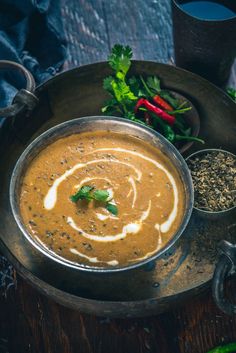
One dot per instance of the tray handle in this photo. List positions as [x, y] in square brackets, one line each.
[225, 267]
[24, 98]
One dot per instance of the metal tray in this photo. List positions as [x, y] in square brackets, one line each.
[183, 272]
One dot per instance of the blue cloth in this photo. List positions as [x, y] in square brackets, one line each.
[31, 33]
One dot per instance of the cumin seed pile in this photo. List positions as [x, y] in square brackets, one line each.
[214, 180]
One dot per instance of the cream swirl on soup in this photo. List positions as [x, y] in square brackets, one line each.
[141, 182]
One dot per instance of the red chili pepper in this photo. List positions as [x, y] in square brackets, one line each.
[170, 119]
[162, 103]
[156, 98]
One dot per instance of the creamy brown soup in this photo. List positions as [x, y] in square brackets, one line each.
[142, 182]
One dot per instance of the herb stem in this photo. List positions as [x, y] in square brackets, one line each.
[179, 111]
[188, 138]
[146, 87]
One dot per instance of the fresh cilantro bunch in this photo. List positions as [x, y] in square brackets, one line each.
[123, 99]
[89, 193]
[144, 101]
[125, 92]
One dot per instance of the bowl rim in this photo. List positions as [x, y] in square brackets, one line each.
[86, 119]
[204, 151]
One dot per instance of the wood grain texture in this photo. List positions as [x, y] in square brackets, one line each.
[30, 322]
[94, 26]
[35, 324]
[201, 325]
[144, 25]
[86, 31]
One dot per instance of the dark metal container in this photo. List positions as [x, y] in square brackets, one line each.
[180, 273]
[92, 124]
[206, 47]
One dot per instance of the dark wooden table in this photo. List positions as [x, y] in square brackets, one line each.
[30, 322]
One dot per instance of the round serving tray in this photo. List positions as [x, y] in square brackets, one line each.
[182, 272]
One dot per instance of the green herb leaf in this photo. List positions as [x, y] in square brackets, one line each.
[148, 92]
[124, 97]
[122, 91]
[232, 93]
[135, 87]
[182, 105]
[166, 129]
[107, 84]
[180, 123]
[119, 60]
[85, 193]
[112, 208]
[111, 106]
[187, 132]
[170, 99]
[131, 116]
[154, 83]
[100, 195]
[82, 194]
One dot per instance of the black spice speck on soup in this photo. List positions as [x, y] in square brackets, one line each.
[144, 188]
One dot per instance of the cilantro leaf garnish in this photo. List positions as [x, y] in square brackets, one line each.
[82, 194]
[112, 208]
[86, 193]
[100, 195]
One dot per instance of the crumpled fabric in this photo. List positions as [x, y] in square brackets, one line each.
[31, 33]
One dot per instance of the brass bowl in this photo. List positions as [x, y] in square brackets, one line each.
[100, 123]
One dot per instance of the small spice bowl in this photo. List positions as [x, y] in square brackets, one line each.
[207, 176]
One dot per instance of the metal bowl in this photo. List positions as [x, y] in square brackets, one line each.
[95, 124]
[212, 215]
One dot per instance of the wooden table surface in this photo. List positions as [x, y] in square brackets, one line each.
[30, 322]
